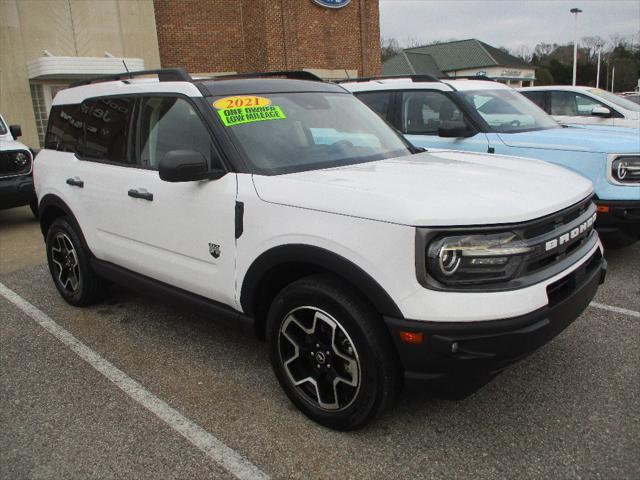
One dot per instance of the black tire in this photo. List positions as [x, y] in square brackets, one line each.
[63, 245]
[362, 344]
[33, 205]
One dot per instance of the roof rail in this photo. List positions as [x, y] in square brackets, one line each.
[471, 77]
[294, 75]
[164, 75]
[415, 78]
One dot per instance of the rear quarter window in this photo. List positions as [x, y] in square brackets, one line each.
[66, 128]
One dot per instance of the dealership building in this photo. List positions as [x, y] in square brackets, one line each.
[462, 58]
[47, 44]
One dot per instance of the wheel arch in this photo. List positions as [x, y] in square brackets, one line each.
[52, 207]
[279, 266]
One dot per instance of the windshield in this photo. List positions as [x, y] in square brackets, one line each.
[291, 132]
[615, 99]
[3, 128]
[506, 111]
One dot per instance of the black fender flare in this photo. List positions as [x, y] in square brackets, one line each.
[50, 201]
[322, 259]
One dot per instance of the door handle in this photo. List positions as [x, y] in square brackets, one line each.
[75, 182]
[143, 195]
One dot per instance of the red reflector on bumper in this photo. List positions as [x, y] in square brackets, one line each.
[411, 337]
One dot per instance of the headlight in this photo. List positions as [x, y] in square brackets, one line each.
[21, 159]
[14, 162]
[473, 259]
[626, 169]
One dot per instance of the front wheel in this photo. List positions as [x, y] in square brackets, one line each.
[331, 353]
[69, 265]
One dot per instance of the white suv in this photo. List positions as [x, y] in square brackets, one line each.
[290, 207]
[585, 105]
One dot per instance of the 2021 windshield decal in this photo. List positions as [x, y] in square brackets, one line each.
[241, 109]
[237, 116]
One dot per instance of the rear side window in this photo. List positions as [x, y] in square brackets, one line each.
[107, 129]
[171, 123]
[65, 130]
[537, 98]
[379, 102]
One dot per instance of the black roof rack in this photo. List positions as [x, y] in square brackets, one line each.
[471, 77]
[293, 75]
[164, 75]
[414, 78]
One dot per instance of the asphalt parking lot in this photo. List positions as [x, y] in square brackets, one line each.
[571, 410]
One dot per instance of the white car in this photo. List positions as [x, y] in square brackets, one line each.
[288, 206]
[584, 106]
[16, 163]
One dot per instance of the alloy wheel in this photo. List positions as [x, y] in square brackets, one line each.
[65, 261]
[319, 358]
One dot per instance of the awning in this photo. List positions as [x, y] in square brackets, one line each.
[72, 68]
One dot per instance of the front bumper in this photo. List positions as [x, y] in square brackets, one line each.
[484, 348]
[618, 215]
[16, 191]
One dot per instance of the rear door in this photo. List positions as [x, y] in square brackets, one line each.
[182, 234]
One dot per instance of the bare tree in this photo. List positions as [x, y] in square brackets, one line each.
[389, 47]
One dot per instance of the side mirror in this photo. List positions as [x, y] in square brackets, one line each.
[457, 131]
[601, 112]
[185, 166]
[16, 131]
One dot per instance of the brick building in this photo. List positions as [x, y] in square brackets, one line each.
[47, 44]
[213, 36]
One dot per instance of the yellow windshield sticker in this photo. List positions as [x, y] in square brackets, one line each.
[241, 101]
[237, 116]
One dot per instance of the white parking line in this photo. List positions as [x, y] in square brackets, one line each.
[611, 308]
[224, 456]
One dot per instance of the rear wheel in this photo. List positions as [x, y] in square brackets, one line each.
[69, 265]
[331, 353]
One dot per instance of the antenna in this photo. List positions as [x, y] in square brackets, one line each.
[125, 66]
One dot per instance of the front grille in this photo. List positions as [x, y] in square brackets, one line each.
[552, 222]
[15, 162]
[556, 237]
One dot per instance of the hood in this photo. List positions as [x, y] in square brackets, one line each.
[582, 139]
[8, 143]
[438, 188]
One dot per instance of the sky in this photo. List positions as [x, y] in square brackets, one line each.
[507, 23]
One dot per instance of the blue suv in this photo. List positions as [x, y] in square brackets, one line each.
[486, 116]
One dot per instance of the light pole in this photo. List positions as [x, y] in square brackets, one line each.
[599, 45]
[575, 12]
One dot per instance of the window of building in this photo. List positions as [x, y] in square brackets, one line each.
[41, 98]
[171, 123]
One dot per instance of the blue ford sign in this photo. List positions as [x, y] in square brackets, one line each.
[333, 3]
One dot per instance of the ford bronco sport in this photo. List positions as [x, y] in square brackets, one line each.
[291, 208]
